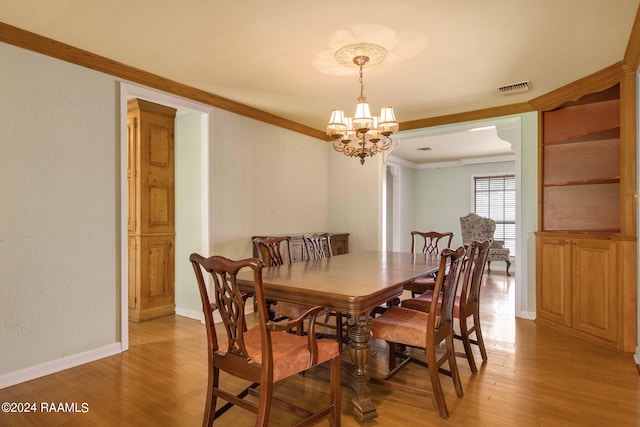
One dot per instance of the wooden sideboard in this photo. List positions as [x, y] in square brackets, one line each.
[339, 244]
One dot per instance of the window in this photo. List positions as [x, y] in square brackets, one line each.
[495, 198]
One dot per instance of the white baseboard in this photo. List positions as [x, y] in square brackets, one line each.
[197, 315]
[53, 366]
[529, 315]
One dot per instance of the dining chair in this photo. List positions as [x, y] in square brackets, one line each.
[278, 251]
[275, 251]
[467, 304]
[426, 331]
[430, 243]
[318, 246]
[263, 354]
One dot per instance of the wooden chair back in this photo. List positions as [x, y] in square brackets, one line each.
[230, 303]
[430, 242]
[274, 251]
[476, 263]
[318, 245]
[447, 280]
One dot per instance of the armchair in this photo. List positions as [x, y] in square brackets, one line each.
[475, 227]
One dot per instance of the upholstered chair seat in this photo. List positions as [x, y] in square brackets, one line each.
[290, 352]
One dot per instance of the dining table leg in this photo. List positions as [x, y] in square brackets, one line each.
[360, 353]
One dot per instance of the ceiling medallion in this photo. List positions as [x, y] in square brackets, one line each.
[362, 135]
[374, 52]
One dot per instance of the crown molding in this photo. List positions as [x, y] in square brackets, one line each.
[468, 116]
[46, 46]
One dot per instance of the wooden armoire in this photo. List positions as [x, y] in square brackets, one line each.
[151, 217]
[586, 243]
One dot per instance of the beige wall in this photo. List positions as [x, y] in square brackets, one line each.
[529, 207]
[265, 180]
[59, 215]
[188, 138]
[356, 200]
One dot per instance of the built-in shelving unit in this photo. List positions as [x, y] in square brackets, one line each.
[581, 164]
[586, 243]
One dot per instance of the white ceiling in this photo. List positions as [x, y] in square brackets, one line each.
[473, 144]
[444, 57]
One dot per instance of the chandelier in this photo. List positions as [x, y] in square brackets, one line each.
[362, 135]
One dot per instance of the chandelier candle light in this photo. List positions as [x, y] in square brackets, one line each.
[363, 135]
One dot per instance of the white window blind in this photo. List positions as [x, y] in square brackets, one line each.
[495, 198]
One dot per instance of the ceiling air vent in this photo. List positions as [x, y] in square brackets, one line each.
[515, 88]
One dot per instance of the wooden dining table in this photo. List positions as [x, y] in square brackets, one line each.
[354, 284]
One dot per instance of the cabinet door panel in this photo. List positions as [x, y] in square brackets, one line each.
[157, 259]
[554, 280]
[156, 163]
[594, 288]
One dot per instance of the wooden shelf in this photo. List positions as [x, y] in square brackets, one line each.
[614, 180]
[606, 234]
[605, 134]
[579, 121]
[588, 162]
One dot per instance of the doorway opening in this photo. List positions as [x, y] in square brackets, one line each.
[192, 197]
[402, 178]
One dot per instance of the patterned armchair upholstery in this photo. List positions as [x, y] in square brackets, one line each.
[475, 227]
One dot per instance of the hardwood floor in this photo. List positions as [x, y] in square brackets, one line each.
[535, 376]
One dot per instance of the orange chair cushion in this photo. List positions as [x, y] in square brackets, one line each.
[290, 352]
[291, 310]
[423, 303]
[402, 326]
[420, 284]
